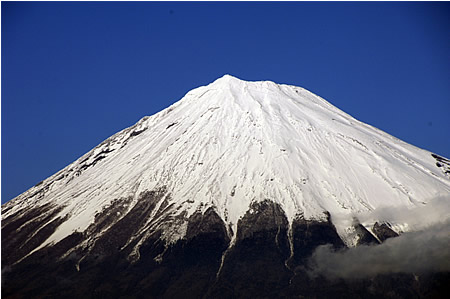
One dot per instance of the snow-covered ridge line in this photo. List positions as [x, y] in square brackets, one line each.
[232, 143]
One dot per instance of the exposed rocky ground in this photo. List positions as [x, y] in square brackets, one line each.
[262, 262]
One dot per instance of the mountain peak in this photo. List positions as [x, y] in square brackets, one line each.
[228, 77]
[231, 80]
[227, 80]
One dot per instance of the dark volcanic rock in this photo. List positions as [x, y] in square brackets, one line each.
[308, 234]
[365, 237]
[23, 233]
[383, 231]
[442, 163]
[255, 265]
[266, 260]
[118, 234]
[187, 267]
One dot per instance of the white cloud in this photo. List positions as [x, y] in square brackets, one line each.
[427, 249]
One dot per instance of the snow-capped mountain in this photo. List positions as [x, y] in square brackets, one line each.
[231, 161]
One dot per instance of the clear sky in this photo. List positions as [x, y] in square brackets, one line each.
[75, 73]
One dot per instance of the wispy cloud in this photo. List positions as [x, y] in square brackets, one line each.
[433, 212]
[426, 249]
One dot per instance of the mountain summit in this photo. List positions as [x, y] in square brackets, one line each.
[235, 172]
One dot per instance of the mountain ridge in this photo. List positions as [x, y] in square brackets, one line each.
[260, 127]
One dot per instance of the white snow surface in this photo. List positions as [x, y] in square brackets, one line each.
[233, 142]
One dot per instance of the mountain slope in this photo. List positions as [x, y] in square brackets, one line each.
[231, 166]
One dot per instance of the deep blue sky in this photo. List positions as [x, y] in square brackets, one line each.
[75, 73]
